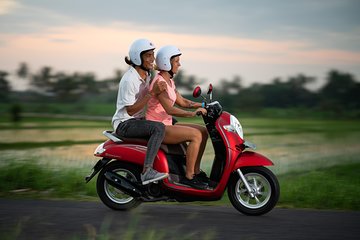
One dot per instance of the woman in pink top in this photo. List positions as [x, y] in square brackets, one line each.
[162, 107]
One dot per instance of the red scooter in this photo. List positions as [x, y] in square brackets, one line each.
[252, 188]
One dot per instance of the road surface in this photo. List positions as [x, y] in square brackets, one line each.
[45, 219]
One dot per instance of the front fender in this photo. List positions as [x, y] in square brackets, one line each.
[248, 158]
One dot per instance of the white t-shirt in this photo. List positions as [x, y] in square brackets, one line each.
[131, 88]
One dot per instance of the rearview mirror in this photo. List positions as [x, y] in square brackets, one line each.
[197, 92]
[210, 89]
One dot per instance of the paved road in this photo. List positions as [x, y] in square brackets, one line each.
[40, 219]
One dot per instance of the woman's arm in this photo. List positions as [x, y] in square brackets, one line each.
[186, 103]
[171, 109]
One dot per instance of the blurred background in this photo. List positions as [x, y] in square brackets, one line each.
[289, 70]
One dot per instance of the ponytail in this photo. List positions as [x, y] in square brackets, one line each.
[128, 61]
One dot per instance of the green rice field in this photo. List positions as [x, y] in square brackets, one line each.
[300, 149]
[292, 145]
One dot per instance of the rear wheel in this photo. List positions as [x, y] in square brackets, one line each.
[113, 197]
[265, 188]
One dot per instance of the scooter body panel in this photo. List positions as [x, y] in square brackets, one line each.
[133, 153]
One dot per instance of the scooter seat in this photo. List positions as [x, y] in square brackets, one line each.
[173, 149]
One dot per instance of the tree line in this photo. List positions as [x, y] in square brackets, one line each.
[339, 93]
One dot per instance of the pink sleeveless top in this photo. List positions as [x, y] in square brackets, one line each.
[155, 111]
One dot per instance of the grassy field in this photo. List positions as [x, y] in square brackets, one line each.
[334, 187]
[308, 154]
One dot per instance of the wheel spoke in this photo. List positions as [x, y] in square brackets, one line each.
[241, 190]
[255, 183]
[260, 186]
[247, 200]
[260, 193]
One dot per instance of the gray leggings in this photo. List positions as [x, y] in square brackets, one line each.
[153, 131]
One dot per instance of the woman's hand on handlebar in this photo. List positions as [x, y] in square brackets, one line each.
[200, 111]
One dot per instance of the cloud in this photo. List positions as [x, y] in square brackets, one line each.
[60, 40]
[227, 17]
[249, 38]
[331, 23]
[7, 6]
[110, 43]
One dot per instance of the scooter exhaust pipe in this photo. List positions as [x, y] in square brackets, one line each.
[123, 184]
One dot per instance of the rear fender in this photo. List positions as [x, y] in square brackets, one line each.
[248, 158]
[135, 154]
[98, 166]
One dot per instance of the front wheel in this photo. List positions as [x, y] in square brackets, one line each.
[111, 196]
[265, 188]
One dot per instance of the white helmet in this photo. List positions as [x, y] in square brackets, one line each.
[138, 47]
[164, 56]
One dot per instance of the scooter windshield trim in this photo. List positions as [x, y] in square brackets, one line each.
[234, 126]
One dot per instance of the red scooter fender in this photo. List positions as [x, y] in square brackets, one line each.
[248, 158]
[133, 153]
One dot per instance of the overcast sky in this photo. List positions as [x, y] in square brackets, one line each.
[257, 40]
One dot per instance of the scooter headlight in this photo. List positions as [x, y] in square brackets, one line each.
[235, 126]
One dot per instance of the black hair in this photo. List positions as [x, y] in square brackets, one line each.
[174, 56]
[128, 61]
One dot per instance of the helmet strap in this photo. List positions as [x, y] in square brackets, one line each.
[144, 68]
[171, 74]
[170, 71]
